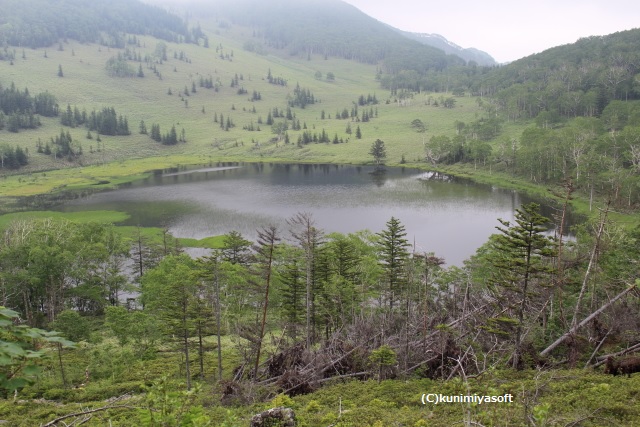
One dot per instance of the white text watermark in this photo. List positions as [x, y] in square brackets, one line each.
[438, 398]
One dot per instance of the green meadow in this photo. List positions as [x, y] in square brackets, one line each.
[87, 85]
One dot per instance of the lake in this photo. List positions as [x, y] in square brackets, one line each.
[451, 217]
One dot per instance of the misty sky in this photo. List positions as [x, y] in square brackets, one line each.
[507, 30]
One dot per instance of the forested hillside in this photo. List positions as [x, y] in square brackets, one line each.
[580, 79]
[579, 104]
[42, 23]
[331, 29]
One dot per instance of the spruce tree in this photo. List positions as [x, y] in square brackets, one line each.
[519, 255]
[143, 127]
[378, 152]
[393, 257]
[293, 295]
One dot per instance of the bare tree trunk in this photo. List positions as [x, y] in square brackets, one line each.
[64, 377]
[593, 315]
[187, 365]
[267, 239]
[587, 274]
[200, 350]
[217, 305]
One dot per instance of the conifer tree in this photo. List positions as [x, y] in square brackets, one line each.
[169, 291]
[378, 152]
[309, 237]
[143, 127]
[519, 256]
[393, 257]
[293, 295]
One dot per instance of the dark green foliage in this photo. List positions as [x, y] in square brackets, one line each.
[393, 256]
[521, 257]
[63, 146]
[73, 118]
[41, 266]
[18, 108]
[378, 151]
[235, 248]
[155, 133]
[419, 126]
[72, 325]
[171, 137]
[97, 21]
[293, 295]
[117, 66]
[107, 122]
[367, 100]
[301, 97]
[275, 80]
[21, 347]
[557, 80]
[143, 128]
[169, 292]
[12, 158]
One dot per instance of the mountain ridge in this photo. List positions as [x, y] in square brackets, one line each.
[440, 42]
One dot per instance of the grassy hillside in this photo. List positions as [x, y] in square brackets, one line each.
[87, 85]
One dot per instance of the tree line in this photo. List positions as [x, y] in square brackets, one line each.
[19, 110]
[39, 23]
[525, 299]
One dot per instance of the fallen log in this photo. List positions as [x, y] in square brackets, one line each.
[589, 318]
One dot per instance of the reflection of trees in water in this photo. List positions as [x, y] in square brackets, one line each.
[379, 176]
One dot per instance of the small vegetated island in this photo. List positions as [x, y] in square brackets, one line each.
[114, 325]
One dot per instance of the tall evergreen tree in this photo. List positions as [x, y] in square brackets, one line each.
[293, 295]
[520, 255]
[309, 237]
[170, 291]
[378, 152]
[393, 257]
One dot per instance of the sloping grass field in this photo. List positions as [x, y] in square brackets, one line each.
[87, 85]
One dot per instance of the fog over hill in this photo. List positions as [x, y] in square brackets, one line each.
[440, 42]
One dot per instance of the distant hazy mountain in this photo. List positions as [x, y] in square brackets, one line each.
[438, 41]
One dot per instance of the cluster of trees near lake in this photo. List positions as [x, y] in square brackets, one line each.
[581, 103]
[332, 301]
[599, 154]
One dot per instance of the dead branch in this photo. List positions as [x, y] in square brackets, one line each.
[587, 274]
[602, 359]
[593, 315]
[89, 411]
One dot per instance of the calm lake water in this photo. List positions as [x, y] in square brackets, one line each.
[448, 216]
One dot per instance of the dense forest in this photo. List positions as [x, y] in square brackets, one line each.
[43, 23]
